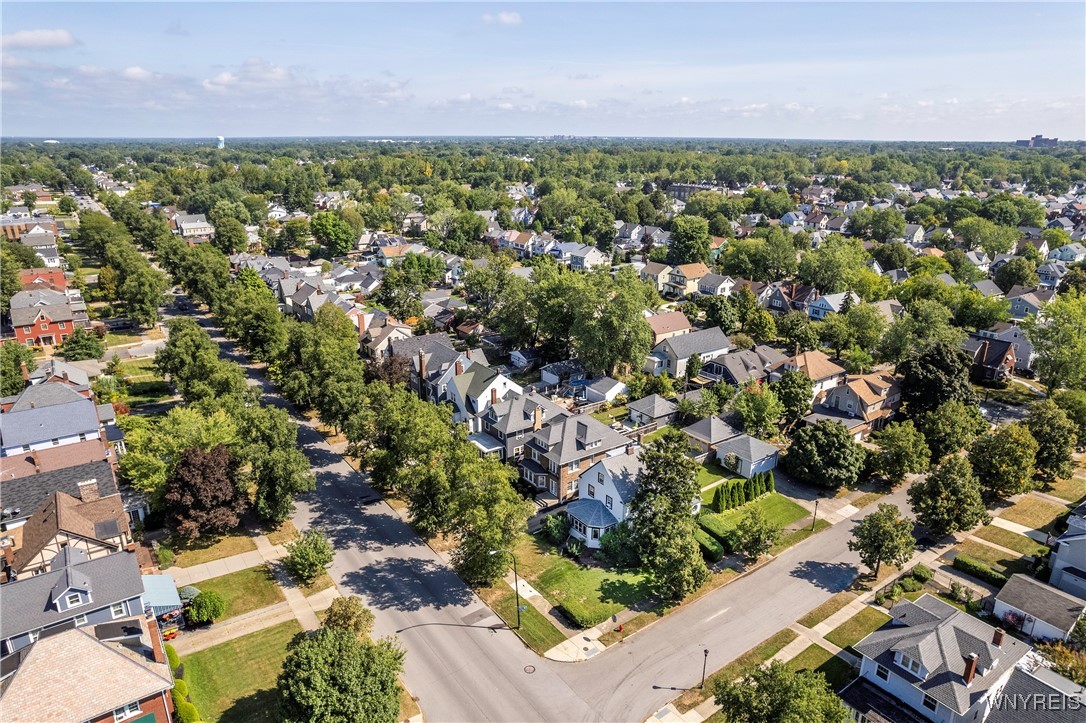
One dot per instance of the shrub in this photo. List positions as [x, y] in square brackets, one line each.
[574, 547]
[205, 607]
[711, 550]
[187, 712]
[165, 557]
[911, 584]
[957, 591]
[922, 573]
[555, 527]
[979, 570]
[880, 598]
[772, 482]
[180, 688]
[717, 529]
[309, 556]
[172, 657]
[896, 592]
[580, 618]
[619, 548]
[720, 500]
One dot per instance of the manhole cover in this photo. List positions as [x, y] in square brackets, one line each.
[585, 648]
[529, 669]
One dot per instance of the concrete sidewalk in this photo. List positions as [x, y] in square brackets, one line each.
[264, 552]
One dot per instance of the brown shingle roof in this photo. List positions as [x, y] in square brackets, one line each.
[668, 322]
[814, 363]
[62, 512]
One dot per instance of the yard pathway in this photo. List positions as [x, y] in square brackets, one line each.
[1035, 535]
[191, 641]
[265, 552]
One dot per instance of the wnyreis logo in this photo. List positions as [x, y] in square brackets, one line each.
[1036, 702]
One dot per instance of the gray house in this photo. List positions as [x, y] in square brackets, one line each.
[671, 355]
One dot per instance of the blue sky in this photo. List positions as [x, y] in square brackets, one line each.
[923, 71]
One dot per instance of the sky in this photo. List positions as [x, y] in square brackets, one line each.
[870, 71]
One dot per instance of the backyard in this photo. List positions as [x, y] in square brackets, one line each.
[608, 416]
[235, 681]
[710, 473]
[244, 590]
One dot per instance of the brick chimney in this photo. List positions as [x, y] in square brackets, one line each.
[459, 367]
[997, 637]
[422, 371]
[970, 668]
[629, 447]
[493, 395]
[88, 490]
[537, 419]
[26, 373]
[37, 460]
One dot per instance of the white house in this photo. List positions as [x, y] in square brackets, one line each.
[475, 390]
[827, 304]
[671, 355]
[605, 389]
[746, 455]
[1036, 609]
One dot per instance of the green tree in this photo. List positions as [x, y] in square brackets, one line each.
[933, 375]
[1005, 460]
[350, 614]
[1056, 437]
[1071, 401]
[67, 204]
[950, 427]
[143, 292]
[206, 607]
[755, 534]
[974, 231]
[759, 408]
[294, 234]
[662, 520]
[332, 232]
[333, 676]
[80, 345]
[10, 280]
[760, 326]
[689, 241]
[230, 236]
[1059, 341]
[775, 693]
[949, 499]
[902, 451]
[1016, 272]
[883, 536]
[1073, 281]
[13, 358]
[794, 390]
[834, 266]
[719, 311]
[797, 332]
[108, 283]
[825, 454]
[309, 556]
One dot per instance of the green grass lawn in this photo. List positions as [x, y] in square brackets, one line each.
[112, 339]
[244, 590]
[607, 416]
[234, 682]
[655, 435]
[836, 670]
[1034, 513]
[753, 657]
[826, 609]
[1072, 490]
[1014, 395]
[537, 632]
[994, 558]
[779, 509]
[710, 472]
[857, 627]
[201, 551]
[589, 595]
[1011, 540]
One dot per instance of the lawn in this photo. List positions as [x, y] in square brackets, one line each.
[797, 536]
[867, 498]
[709, 472]
[1034, 513]
[836, 670]
[321, 583]
[112, 339]
[201, 551]
[1014, 395]
[607, 416]
[657, 434]
[149, 392]
[235, 681]
[536, 630]
[244, 590]
[826, 609]
[1011, 540]
[857, 627]
[1072, 490]
[285, 533]
[778, 509]
[588, 595]
[753, 657]
[994, 557]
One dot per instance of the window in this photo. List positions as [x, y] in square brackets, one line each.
[26, 447]
[126, 712]
[553, 467]
[45, 325]
[517, 451]
[881, 671]
[591, 490]
[571, 486]
[913, 666]
[82, 436]
[63, 325]
[116, 609]
[572, 466]
[930, 703]
[579, 526]
[73, 599]
[26, 329]
[34, 635]
[55, 442]
[520, 434]
[599, 477]
[776, 303]
[609, 502]
[80, 619]
[595, 533]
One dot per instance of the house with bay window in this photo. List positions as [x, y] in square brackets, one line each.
[556, 454]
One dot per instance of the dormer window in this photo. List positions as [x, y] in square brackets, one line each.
[73, 599]
[913, 666]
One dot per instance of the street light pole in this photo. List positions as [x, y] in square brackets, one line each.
[516, 585]
[815, 518]
[704, 664]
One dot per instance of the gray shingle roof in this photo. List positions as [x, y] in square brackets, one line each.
[517, 412]
[653, 406]
[592, 513]
[1061, 704]
[941, 637]
[28, 315]
[624, 469]
[747, 448]
[711, 429]
[569, 439]
[28, 493]
[696, 342]
[1042, 601]
[54, 415]
[58, 368]
[25, 604]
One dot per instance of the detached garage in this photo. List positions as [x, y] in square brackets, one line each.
[746, 455]
[1036, 609]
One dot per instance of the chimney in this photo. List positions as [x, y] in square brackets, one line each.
[970, 668]
[64, 375]
[88, 490]
[997, 638]
[493, 395]
[37, 461]
[422, 371]
[459, 367]
[26, 374]
[629, 447]
[537, 419]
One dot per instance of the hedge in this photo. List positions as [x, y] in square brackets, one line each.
[181, 688]
[187, 712]
[717, 530]
[979, 570]
[579, 620]
[172, 657]
[712, 550]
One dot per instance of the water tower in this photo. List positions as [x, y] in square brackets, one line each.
[222, 143]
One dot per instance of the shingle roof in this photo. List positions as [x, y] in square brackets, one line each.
[57, 368]
[591, 512]
[1061, 706]
[625, 470]
[815, 364]
[653, 406]
[668, 322]
[29, 492]
[1044, 602]
[28, 315]
[747, 448]
[941, 638]
[100, 520]
[712, 430]
[517, 412]
[747, 364]
[704, 341]
[53, 459]
[567, 439]
[53, 416]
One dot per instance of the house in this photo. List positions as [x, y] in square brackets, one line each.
[746, 455]
[838, 224]
[993, 360]
[897, 276]
[474, 390]
[556, 455]
[683, 279]
[889, 309]
[524, 358]
[784, 297]
[98, 527]
[1051, 273]
[914, 233]
[510, 421]
[743, 366]
[988, 289]
[1017, 337]
[794, 218]
[434, 362]
[706, 434]
[652, 408]
[826, 304]
[43, 278]
[379, 334]
[1068, 553]
[562, 372]
[43, 242]
[1038, 610]
[715, 285]
[979, 259]
[1028, 300]
[1070, 253]
[1031, 682]
[605, 389]
[656, 274]
[49, 415]
[586, 258]
[937, 662]
[45, 317]
[671, 355]
[862, 402]
[193, 226]
[75, 588]
[823, 373]
[667, 325]
[96, 673]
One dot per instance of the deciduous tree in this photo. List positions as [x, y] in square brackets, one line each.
[1060, 342]
[950, 427]
[201, 497]
[775, 693]
[902, 451]
[933, 375]
[949, 499]
[80, 345]
[309, 556]
[1056, 438]
[1005, 460]
[825, 454]
[759, 408]
[884, 536]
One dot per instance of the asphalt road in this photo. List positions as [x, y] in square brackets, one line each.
[464, 666]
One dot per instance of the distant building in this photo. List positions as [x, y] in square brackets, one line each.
[222, 143]
[1038, 141]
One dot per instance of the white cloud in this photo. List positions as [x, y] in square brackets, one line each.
[925, 103]
[39, 39]
[503, 18]
[137, 73]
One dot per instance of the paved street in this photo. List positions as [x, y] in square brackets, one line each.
[464, 667]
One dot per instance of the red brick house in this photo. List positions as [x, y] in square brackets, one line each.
[43, 325]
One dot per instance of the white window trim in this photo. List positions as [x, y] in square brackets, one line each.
[81, 619]
[68, 599]
[113, 610]
[128, 711]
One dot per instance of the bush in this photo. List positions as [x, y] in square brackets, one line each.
[880, 598]
[711, 550]
[922, 573]
[896, 592]
[619, 548]
[187, 713]
[574, 547]
[957, 591]
[180, 688]
[718, 530]
[205, 607]
[555, 528]
[911, 584]
[580, 619]
[979, 570]
[172, 657]
[309, 556]
[165, 557]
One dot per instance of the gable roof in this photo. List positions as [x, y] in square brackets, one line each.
[711, 429]
[59, 369]
[692, 271]
[1044, 602]
[986, 351]
[1064, 700]
[54, 415]
[517, 412]
[703, 341]
[747, 448]
[567, 439]
[653, 406]
[52, 459]
[668, 322]
[28, 492]
[98, 520]
[625, 469]
[746, 364]
[815, 364]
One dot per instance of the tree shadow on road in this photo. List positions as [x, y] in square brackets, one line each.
[832, 576]
[408, 585]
